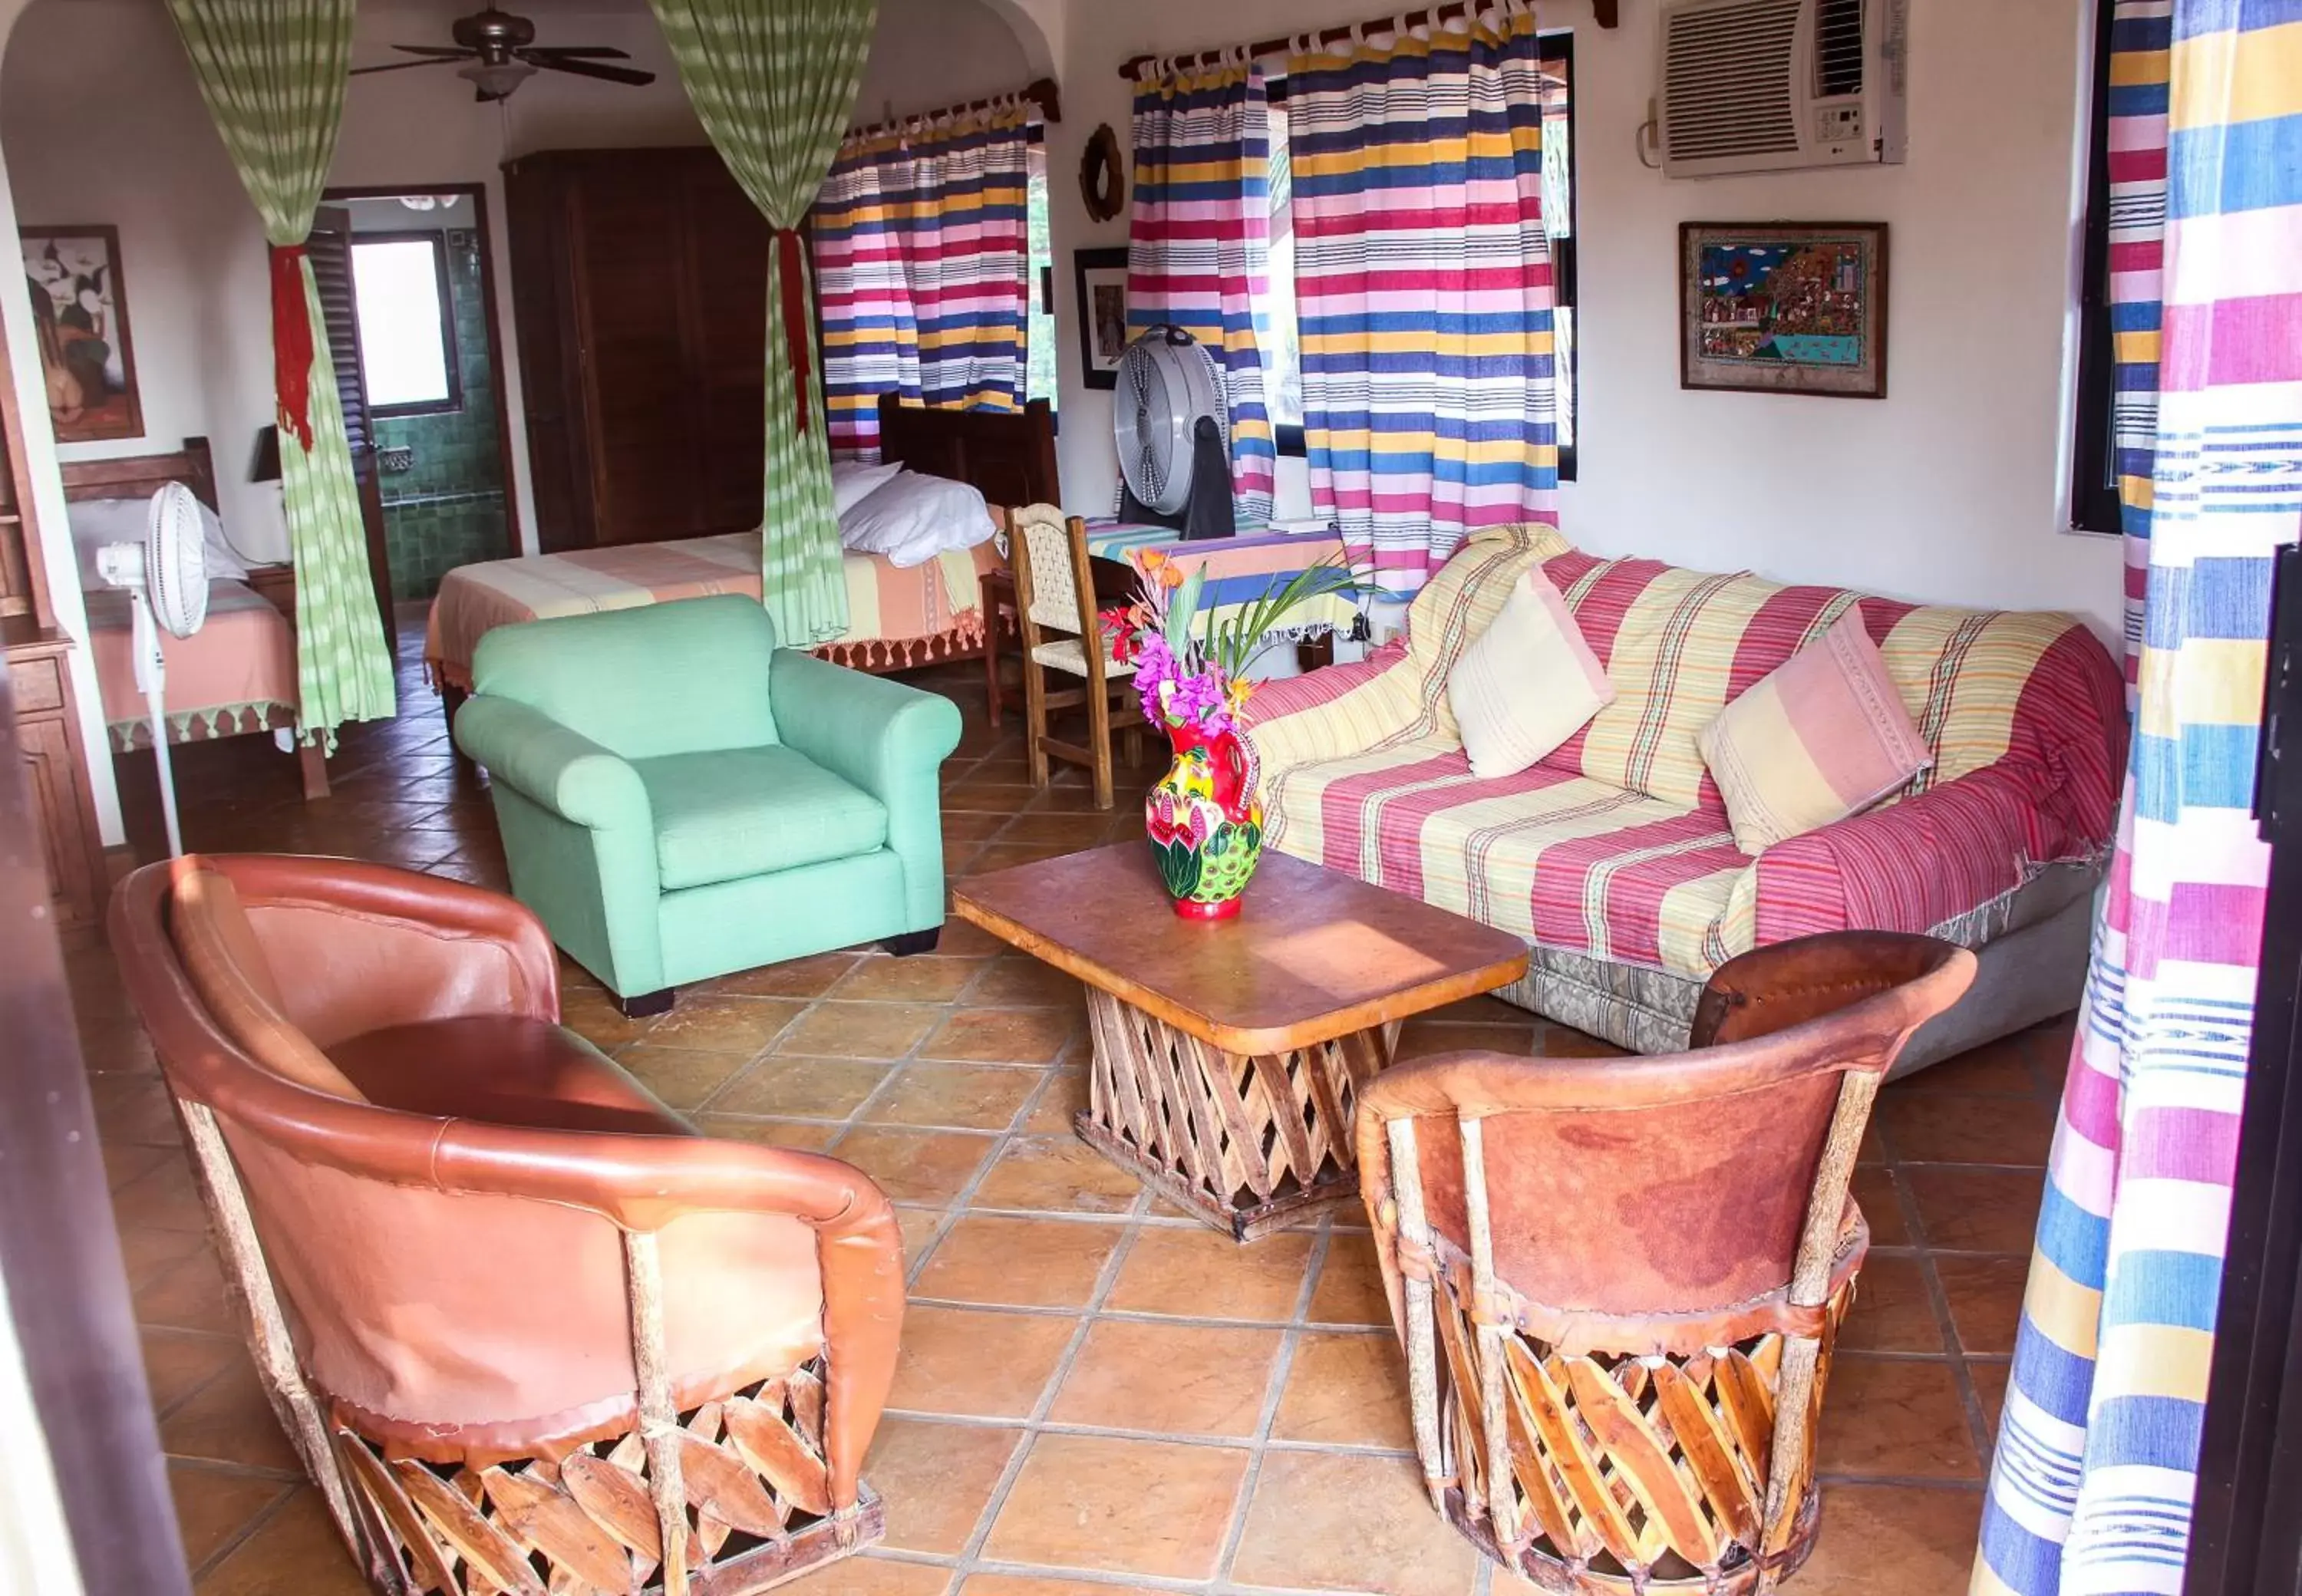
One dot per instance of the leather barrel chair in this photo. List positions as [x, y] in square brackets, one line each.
[529, 1331]
[1617, 1282]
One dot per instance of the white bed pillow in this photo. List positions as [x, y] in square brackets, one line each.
[95, 522]
[913, 518]
[854, 481]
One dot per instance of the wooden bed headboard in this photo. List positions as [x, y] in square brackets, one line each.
[139, 476]
[1009, 457]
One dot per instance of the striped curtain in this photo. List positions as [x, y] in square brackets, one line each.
[2096, 1468]
[2139, 34]
[1422, 288]
[1199, 241]
[272, 73]
[922, 254]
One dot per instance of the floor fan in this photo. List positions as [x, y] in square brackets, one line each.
[167, 583]
[1174, 432]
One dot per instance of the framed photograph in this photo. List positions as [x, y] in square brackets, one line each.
[1101, 312]
[79, 310]
[1787, 308]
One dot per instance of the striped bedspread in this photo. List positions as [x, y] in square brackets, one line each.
[1616, 845]
[897, 618]
[236, 674]
[1240, 570]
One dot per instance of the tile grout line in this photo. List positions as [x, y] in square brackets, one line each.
[1281, 1370]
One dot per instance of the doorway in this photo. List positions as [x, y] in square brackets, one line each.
[425, 339]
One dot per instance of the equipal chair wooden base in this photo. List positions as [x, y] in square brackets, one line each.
[1616, 1463]
[585, 1523]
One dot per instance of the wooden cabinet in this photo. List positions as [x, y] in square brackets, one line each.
[47, 713]
[640, 279]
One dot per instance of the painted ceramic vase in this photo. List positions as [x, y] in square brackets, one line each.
[1206, 822]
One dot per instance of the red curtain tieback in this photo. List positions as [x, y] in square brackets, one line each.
[791, 270]
[292, 343]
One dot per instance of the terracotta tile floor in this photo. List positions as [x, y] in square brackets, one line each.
[1096, 1395]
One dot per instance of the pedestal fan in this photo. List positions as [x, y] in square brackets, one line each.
[1173, 431]
[167, 583]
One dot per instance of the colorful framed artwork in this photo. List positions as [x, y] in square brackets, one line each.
[1786, 308]
[1101, 312]
[79, 310]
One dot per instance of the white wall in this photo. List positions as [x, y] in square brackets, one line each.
[1952, 489]
[193, 255]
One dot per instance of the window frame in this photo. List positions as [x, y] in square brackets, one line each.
[450, 364]
[1556, 45]
[2096, 508]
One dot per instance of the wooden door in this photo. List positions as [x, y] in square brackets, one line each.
[728, 261]
[550, 372]
[329, 248]
[627, 225]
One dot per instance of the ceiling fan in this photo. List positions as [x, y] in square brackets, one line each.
[499, 53]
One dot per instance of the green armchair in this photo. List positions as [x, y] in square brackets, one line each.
[680, 798]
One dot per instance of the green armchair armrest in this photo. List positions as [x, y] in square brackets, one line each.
[544, 762]
[888, 739]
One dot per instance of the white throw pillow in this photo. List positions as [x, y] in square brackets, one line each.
[95, 522]
[1527, 683]
[913, 518]
[851, 480]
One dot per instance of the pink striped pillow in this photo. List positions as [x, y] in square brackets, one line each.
[1823, 737]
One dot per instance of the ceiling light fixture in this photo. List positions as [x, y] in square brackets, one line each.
[496, 80]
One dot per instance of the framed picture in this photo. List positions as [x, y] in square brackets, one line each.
[80, 309]
[1101, 312]
[1788, 308]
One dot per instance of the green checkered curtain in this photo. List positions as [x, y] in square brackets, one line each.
[773, 83]
[272, 74]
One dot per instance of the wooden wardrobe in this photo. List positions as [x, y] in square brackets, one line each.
[47, 713]
[640, 281]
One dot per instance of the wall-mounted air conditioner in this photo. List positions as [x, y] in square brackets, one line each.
[1770, 85]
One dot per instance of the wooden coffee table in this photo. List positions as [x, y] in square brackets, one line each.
[1229, 1056]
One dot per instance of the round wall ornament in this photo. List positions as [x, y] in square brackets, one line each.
[1103, 175]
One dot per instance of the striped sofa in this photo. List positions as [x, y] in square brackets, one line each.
[1612, 857]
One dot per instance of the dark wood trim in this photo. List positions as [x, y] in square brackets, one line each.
[2246, 1531]
[2095, 505]
[481, 228]
[139, 476]
[67, 1286]
[444, 297]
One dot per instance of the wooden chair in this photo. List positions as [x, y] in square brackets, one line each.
[546, 1339]
[1055, 601]
[1618, 1280]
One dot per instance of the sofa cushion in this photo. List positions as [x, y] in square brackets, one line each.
[1527, 683]
[1821, 738]
[749, 811]
[1551, 856]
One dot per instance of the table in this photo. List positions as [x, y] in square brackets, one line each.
[1229, 1056]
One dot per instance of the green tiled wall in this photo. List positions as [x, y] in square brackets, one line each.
[447, 509]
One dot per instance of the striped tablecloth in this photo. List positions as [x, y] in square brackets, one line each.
[1240, 570]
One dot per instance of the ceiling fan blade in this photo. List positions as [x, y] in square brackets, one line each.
[572, 52]
[401, 66]
[444, 52]
[612, 74]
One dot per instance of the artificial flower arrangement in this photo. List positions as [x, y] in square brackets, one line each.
[1205, 817]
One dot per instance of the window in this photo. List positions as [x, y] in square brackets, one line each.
[2094, 452]
[407, 346]
[1040, 332]
[1274, 319]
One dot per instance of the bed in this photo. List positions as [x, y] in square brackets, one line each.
[237, 674]
[899, 617]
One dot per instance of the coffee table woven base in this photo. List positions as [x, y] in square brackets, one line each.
[1248, 1143]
